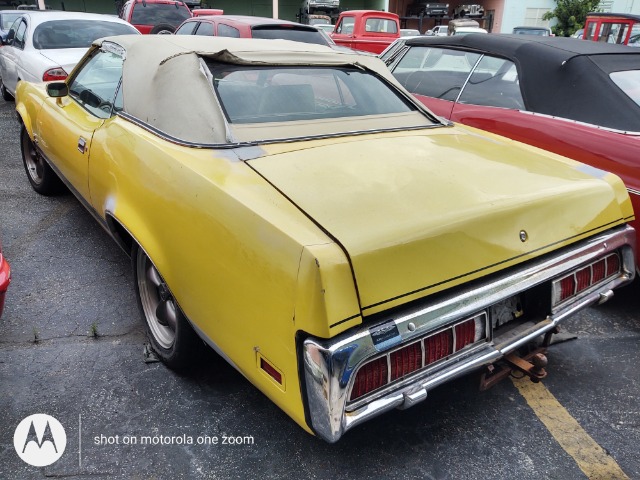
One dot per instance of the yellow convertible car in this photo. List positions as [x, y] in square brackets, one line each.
[296, 209]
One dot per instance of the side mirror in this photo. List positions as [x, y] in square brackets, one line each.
[57, 89]
[10, 36]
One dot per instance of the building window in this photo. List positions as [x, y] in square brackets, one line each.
[605, 6]
[533, 17]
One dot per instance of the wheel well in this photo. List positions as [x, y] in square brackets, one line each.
[21, 114]
[121, 235]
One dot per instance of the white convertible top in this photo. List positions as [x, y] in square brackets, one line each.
[163, 75]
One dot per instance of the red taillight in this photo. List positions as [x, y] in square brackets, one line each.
[583, 279]
[371, 376]
[613, 265]
[567, 287]
[405, 361]
[598, 271]
[410, 358]
[580, 280]
[54, 74]
[438, 346]
[465, 334]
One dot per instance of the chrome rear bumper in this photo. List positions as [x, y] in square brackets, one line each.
[330, 365]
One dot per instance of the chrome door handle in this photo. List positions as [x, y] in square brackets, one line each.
[82, 145]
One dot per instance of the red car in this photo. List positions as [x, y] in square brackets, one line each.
[200, 12]
[622, 28]
[5, 278]
[155, 16]
[241, 26]
[366, 30]
[578, 99]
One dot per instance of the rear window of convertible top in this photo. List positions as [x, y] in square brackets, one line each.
[251, 94]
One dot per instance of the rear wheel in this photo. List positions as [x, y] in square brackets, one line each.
[5, 93]
[162, 29]
[169, 332]
[41, 176]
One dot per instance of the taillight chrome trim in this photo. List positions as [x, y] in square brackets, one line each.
[329, 365]
[455, 352]
[557, 299]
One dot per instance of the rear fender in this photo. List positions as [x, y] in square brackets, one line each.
[28, 102]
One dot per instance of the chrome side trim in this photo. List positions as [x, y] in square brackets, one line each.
[329, 366]
[630, 133]
[207, 340]
[185, 143]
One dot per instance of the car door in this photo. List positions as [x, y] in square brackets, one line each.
[66, 125]
[343, 33]
[187, 28]
[205, 29]
[11, 53]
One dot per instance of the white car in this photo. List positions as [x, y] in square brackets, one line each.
[325, 27]
[439, 31]
[468, 30]
[45, 46]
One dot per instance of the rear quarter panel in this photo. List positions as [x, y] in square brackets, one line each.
[229, 246]
[29, 100]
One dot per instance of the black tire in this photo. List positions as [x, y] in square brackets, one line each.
[163, 29]
[41, 176]
[171, 336]
[5, 93]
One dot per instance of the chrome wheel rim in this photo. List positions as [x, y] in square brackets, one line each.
[165, 32]
[159, 307]
[33, 160]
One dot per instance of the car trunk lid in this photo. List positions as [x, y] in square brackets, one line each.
[418, 213]
[67, 58]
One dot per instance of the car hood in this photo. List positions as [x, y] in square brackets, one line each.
[421, 212]
[66, 58]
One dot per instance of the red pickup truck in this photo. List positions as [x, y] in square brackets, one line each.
[367, 30]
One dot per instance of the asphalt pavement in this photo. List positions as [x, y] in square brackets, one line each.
[72, 347]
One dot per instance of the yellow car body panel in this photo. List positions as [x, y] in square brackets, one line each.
[228, 245]
[64, 132]
[473, 206]
[262, 244]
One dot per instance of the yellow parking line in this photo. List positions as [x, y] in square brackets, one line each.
[590, 457]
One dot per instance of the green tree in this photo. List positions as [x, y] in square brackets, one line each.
[571, 15]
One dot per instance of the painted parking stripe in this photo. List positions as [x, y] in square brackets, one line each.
[590, 457]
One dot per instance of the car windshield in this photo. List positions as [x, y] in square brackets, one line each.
[629, 83]
[157, 13]
[75, 33]
[289, 33]
[7, 20]
[284, 94]
[319, 21]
